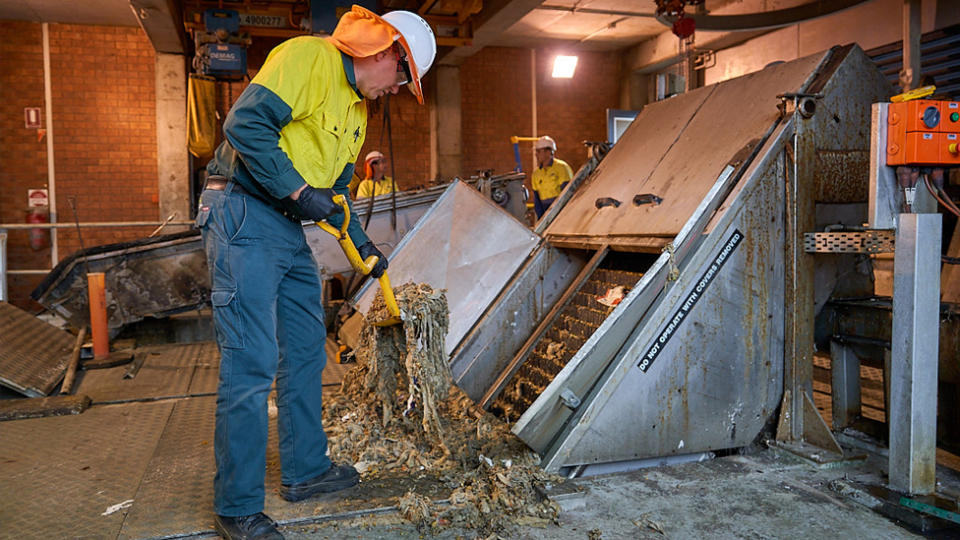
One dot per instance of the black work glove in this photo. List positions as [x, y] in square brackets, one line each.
[369, 249]
[317, 203]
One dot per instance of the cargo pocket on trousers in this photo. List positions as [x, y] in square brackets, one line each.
[227, 318]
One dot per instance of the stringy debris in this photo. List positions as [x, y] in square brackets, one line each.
[399, 411]
[417, 510]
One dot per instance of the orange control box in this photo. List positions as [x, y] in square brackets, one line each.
[923, 132]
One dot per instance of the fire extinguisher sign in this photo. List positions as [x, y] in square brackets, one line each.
[37, 197]
[31, 117]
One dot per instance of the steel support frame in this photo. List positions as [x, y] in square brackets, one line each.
[915, 353]
[801, 430]
[844, 384]
[798, 300]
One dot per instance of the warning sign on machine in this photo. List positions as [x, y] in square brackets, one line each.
[691, 300]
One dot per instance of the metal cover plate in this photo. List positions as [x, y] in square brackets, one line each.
[465, 244]
[151, 277]
[33, 354]
[167, 371]
[675, 149]
[175, 495]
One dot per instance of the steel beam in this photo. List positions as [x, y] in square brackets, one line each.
[798, 309]
[915, 348]
[845, 384]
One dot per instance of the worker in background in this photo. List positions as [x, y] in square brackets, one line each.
[376, 182]
[551, 176]
[291, 140]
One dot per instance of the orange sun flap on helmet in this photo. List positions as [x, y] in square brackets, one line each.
[361, 33]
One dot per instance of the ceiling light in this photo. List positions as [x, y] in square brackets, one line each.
[564, 66]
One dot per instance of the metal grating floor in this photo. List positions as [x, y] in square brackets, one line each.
[575, 324]
[153, 445]
[33, 354]
[175, 495]
[168, 371]
[61, 474]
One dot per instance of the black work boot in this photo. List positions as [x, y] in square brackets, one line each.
[337, 478]
[253, 527]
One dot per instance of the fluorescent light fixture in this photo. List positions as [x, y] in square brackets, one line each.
[564, 66]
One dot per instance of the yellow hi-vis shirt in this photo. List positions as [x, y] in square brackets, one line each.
[328, 119]
[372, 188]
[546, 181]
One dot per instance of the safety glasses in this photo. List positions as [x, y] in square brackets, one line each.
[403, 68]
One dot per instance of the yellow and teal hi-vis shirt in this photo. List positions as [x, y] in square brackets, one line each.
[301, 119]
[548, 181]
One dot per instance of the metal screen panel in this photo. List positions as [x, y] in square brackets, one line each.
[465, 244]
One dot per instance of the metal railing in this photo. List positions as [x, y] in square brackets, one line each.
[4, 227]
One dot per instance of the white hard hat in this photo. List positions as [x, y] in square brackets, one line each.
[418, 41]
[545, 142]
[373, 155]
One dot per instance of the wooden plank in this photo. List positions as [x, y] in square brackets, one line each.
[18, 409]
[675, 149]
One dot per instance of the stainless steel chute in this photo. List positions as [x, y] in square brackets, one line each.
[692, 359]
[465, 244]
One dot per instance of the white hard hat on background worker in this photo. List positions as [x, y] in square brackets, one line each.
[409, 29]
[550, 177]
[545, 142]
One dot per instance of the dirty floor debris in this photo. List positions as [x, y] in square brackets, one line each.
[398, 412]
[149, 440]
[765, 494]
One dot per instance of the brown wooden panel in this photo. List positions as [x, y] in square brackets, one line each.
[676, 149]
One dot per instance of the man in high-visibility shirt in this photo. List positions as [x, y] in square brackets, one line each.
[291, 140]
[377, 182]
[551, 176]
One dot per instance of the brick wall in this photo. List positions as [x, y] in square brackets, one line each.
[410, 131]
[23, 158]
[495, 86]
[104, 123]
[103, 87]
[495, 93]
[575, 110]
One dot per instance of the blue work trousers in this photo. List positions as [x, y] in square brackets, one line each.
[268, 315]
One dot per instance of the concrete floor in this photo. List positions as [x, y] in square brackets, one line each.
[764, 495]
[146, 439]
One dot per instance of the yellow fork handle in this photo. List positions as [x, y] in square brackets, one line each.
[346, 244]
[358, 263]
[388, 298]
